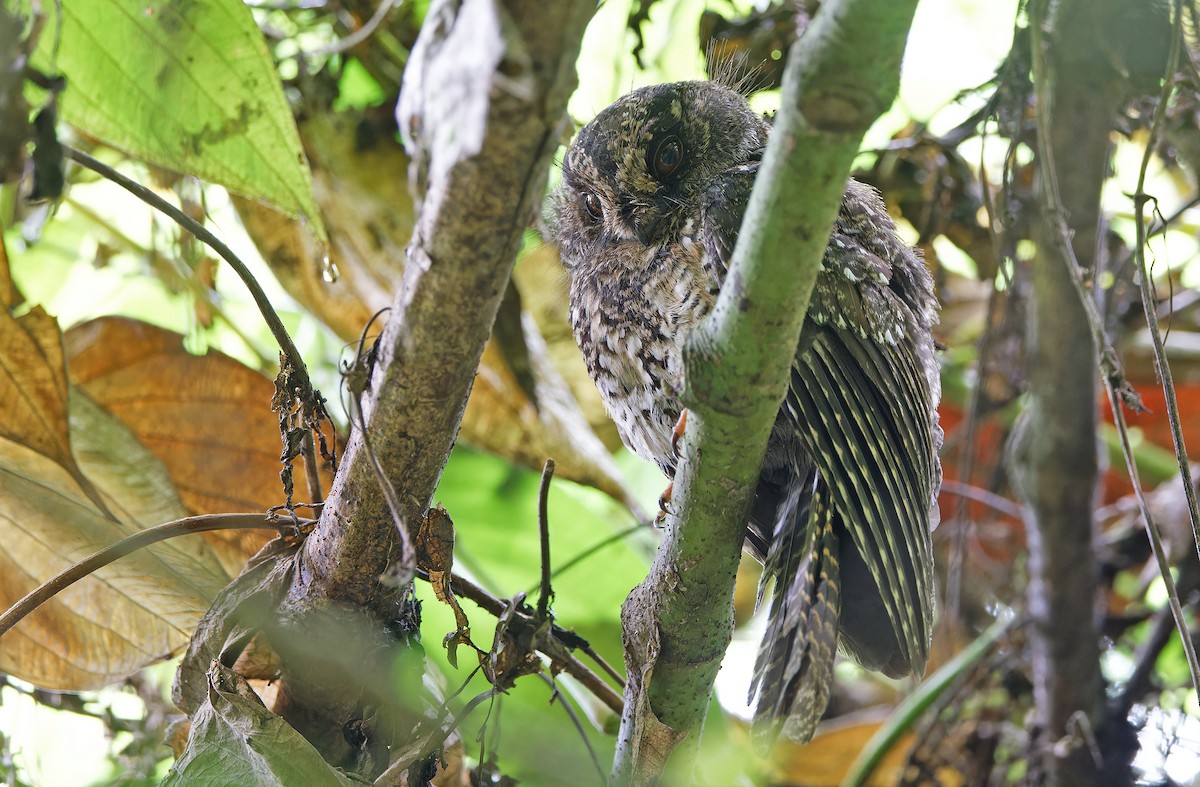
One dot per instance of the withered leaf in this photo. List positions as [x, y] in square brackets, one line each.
[435, 554]
[33, 385]
[207, 418]
[514, 646]
[34, 391]
[131, 613]
[239, 611]
[435, 542]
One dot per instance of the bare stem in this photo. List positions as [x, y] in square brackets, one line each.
[543, 605]
[464, 588]
[677, 623]
[1148, 297]
[127, 546]
[204, 235]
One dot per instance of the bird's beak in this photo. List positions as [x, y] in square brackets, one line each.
[645, 231]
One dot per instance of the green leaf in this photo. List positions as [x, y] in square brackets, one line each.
[183, 84]
[234, 739]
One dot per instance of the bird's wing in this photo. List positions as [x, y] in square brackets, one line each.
[860, 398]
[865, 418]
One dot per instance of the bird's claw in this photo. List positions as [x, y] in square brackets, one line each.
[677, 432]
[664, 500]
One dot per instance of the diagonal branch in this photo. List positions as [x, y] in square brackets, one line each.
[678, 622]
[482, 111]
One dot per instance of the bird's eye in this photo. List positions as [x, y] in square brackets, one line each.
[668, 156]
[592, 203]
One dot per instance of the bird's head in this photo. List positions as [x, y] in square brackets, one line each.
[636, 172]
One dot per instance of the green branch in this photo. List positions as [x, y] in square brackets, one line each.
[678, 622]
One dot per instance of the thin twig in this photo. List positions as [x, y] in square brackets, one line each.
[419, 746]
[1140, 198]
[471, 705]
[312, 472]
[1056, 215]
[203, 234]
[590, 551]
[358, 36]
[1148, 298]
[189, 281]
[574, 717]
[544, 598]
[1156, 545]
[1118, 390]
[571, 665]
[126, 546]
[579, 558]
[1165, 224]
[992, 500]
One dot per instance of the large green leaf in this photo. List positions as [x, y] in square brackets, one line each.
[234, 739]
[184, 84]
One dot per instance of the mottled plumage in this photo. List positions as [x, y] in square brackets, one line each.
[651, 201]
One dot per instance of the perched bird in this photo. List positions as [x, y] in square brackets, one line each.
[651, 201]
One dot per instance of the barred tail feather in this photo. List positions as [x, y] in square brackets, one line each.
[794, 671]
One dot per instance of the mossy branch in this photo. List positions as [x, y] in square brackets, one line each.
[678, 622]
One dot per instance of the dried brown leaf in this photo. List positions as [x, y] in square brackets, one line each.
[33, 385]
[825, 761]
[207, 418]
[435, 541]
[133, 612]
[435, 554]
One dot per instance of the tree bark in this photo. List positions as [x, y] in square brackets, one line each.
[1054, 451]
[482, 111]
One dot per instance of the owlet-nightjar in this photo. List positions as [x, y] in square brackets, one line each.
[651, 201]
